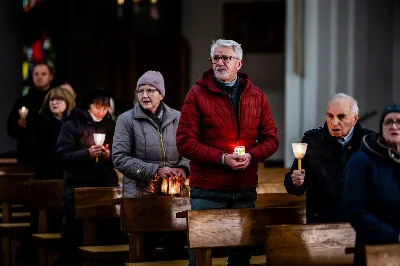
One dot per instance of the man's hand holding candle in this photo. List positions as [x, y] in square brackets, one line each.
[236, 161]
[23, 113]
[298, 177]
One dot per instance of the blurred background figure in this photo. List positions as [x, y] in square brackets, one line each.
[111, 109]
[23, 117]
[69, 88]
[57, 106]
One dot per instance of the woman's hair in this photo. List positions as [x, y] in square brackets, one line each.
[59, 93]
[97, 97]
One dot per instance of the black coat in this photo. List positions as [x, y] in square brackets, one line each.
[75, 139]
[44, 141]
[325, 165]
[33, 101]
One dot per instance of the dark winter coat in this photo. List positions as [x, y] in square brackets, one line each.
[325, 165]
[33, 101]
[44, 141]
[75, 139]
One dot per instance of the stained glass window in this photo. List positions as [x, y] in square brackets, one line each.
[29, 4]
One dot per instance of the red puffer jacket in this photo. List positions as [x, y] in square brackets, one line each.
[208, 129]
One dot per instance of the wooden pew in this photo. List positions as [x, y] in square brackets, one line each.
[271, 175]
[14, 187]
[138, 216]
[8, 161]
[46, 200]
[255, 260]
[311, 244]
[383, 255]
[235, 227]
[16, 169]
[91, 206]
[150, 214]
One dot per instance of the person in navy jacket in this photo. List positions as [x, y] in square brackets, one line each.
[372, 195]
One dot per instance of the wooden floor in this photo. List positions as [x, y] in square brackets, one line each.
[271, 175]
[270, 180]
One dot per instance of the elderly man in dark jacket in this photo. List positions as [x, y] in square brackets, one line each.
[324, 166]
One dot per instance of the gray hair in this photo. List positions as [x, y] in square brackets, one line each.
[237, 49]
[353, 106]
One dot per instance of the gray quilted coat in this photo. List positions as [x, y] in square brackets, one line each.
[140, 148]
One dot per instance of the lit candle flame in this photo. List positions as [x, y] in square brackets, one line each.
[299, 150]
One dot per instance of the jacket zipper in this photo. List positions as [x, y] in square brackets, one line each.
[162, 147]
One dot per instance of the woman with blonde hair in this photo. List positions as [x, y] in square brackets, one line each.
[57, 105]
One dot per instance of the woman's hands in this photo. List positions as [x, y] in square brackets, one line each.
[99, 151]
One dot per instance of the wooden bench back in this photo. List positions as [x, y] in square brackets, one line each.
[46, 194]
[15, 187]
[46, 200]
[383, 255]
[96, 202]
[9, 169]
[236, 227]
[95, 207]
[271, 174]
[266, 200]
[311, 244]
[156, 213]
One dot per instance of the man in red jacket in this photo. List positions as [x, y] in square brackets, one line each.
[224, 110]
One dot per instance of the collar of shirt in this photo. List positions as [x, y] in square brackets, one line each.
[347, 138]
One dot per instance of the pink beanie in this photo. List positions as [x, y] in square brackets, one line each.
[153, 78]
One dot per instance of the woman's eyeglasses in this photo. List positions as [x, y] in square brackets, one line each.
[391, 122]
[149, 92]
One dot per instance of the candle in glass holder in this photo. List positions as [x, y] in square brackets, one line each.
[99, 140]
[299, 150]
[174, 186]
[239, 150]
[164, 186]
[23, 112]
